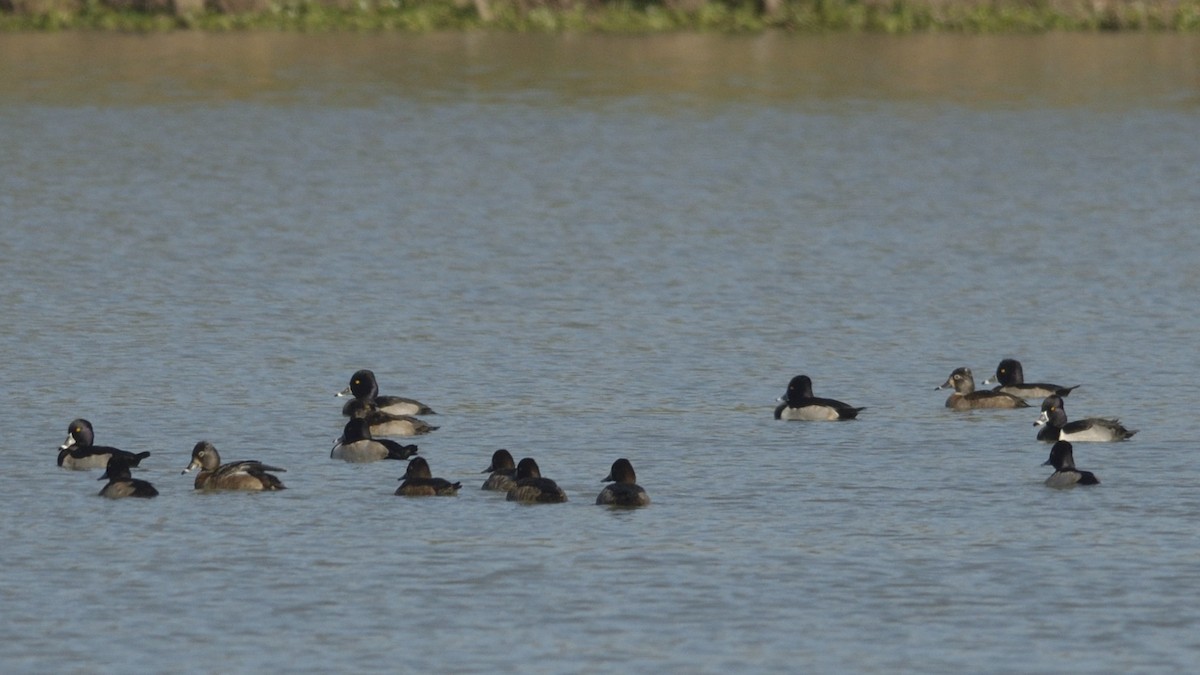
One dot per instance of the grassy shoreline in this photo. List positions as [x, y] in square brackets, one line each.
[622, 16]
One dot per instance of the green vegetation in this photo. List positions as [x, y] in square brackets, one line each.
[616, 16]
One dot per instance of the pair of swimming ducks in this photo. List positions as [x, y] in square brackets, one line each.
[384, 415]
[798, 403]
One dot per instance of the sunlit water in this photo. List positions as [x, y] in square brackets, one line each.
[589, 248]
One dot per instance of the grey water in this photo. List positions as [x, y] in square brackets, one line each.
[582, 248]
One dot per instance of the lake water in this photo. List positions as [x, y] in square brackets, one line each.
[585, 248]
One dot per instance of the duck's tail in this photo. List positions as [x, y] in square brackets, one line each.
[397, 451]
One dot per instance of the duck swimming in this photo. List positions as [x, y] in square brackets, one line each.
[419, 482]
[1062, 458]
[503, 472]
[1012, 381]
[798, 403]
[387, 424]
[241, 475]
[966, 398]
[78, 452]
[365, 390]
[1055, 426]
[357, 445]
[531, 488]
[121, 483]
[624, 491]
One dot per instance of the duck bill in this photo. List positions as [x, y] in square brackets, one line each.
[67, 444]
[344, 392]
[191, 465]
[943, 385]
[991, 380]
[1042, 419]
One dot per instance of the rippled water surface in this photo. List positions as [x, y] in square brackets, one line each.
[584, 248]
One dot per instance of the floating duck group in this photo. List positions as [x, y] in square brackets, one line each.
[373, 417]
[798, 403]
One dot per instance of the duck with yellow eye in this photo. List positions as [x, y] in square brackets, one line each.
[79, 452]
[365, 391]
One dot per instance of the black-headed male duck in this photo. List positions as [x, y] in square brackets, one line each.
[365, 390]
[798, 403]
[78, 452]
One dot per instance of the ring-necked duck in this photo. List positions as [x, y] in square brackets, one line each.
[532, 488]
[966, 398]
[1012, 381]
[1055, 426]
[121, 483]
[77, 452]
[365, 390]
[387, 424]
[1062, 458]
[503, 470]
[357, 445]
[419, 482]
[624, 491]
[798, 403]
[243, 475]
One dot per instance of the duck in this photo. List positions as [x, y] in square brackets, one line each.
[531, 488]
[1012, 381]
[1055, 426]
[242, 475]
[121, 483]
[624, 490]
[1062, 458]
[966, 398]
[365, 391]
[798, 403]
[356, 444]
[387, 424]
[78, 452]
[503, 472]
[419, 482]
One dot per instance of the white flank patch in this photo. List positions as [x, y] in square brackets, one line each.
[809, 413]
[1093, 434]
